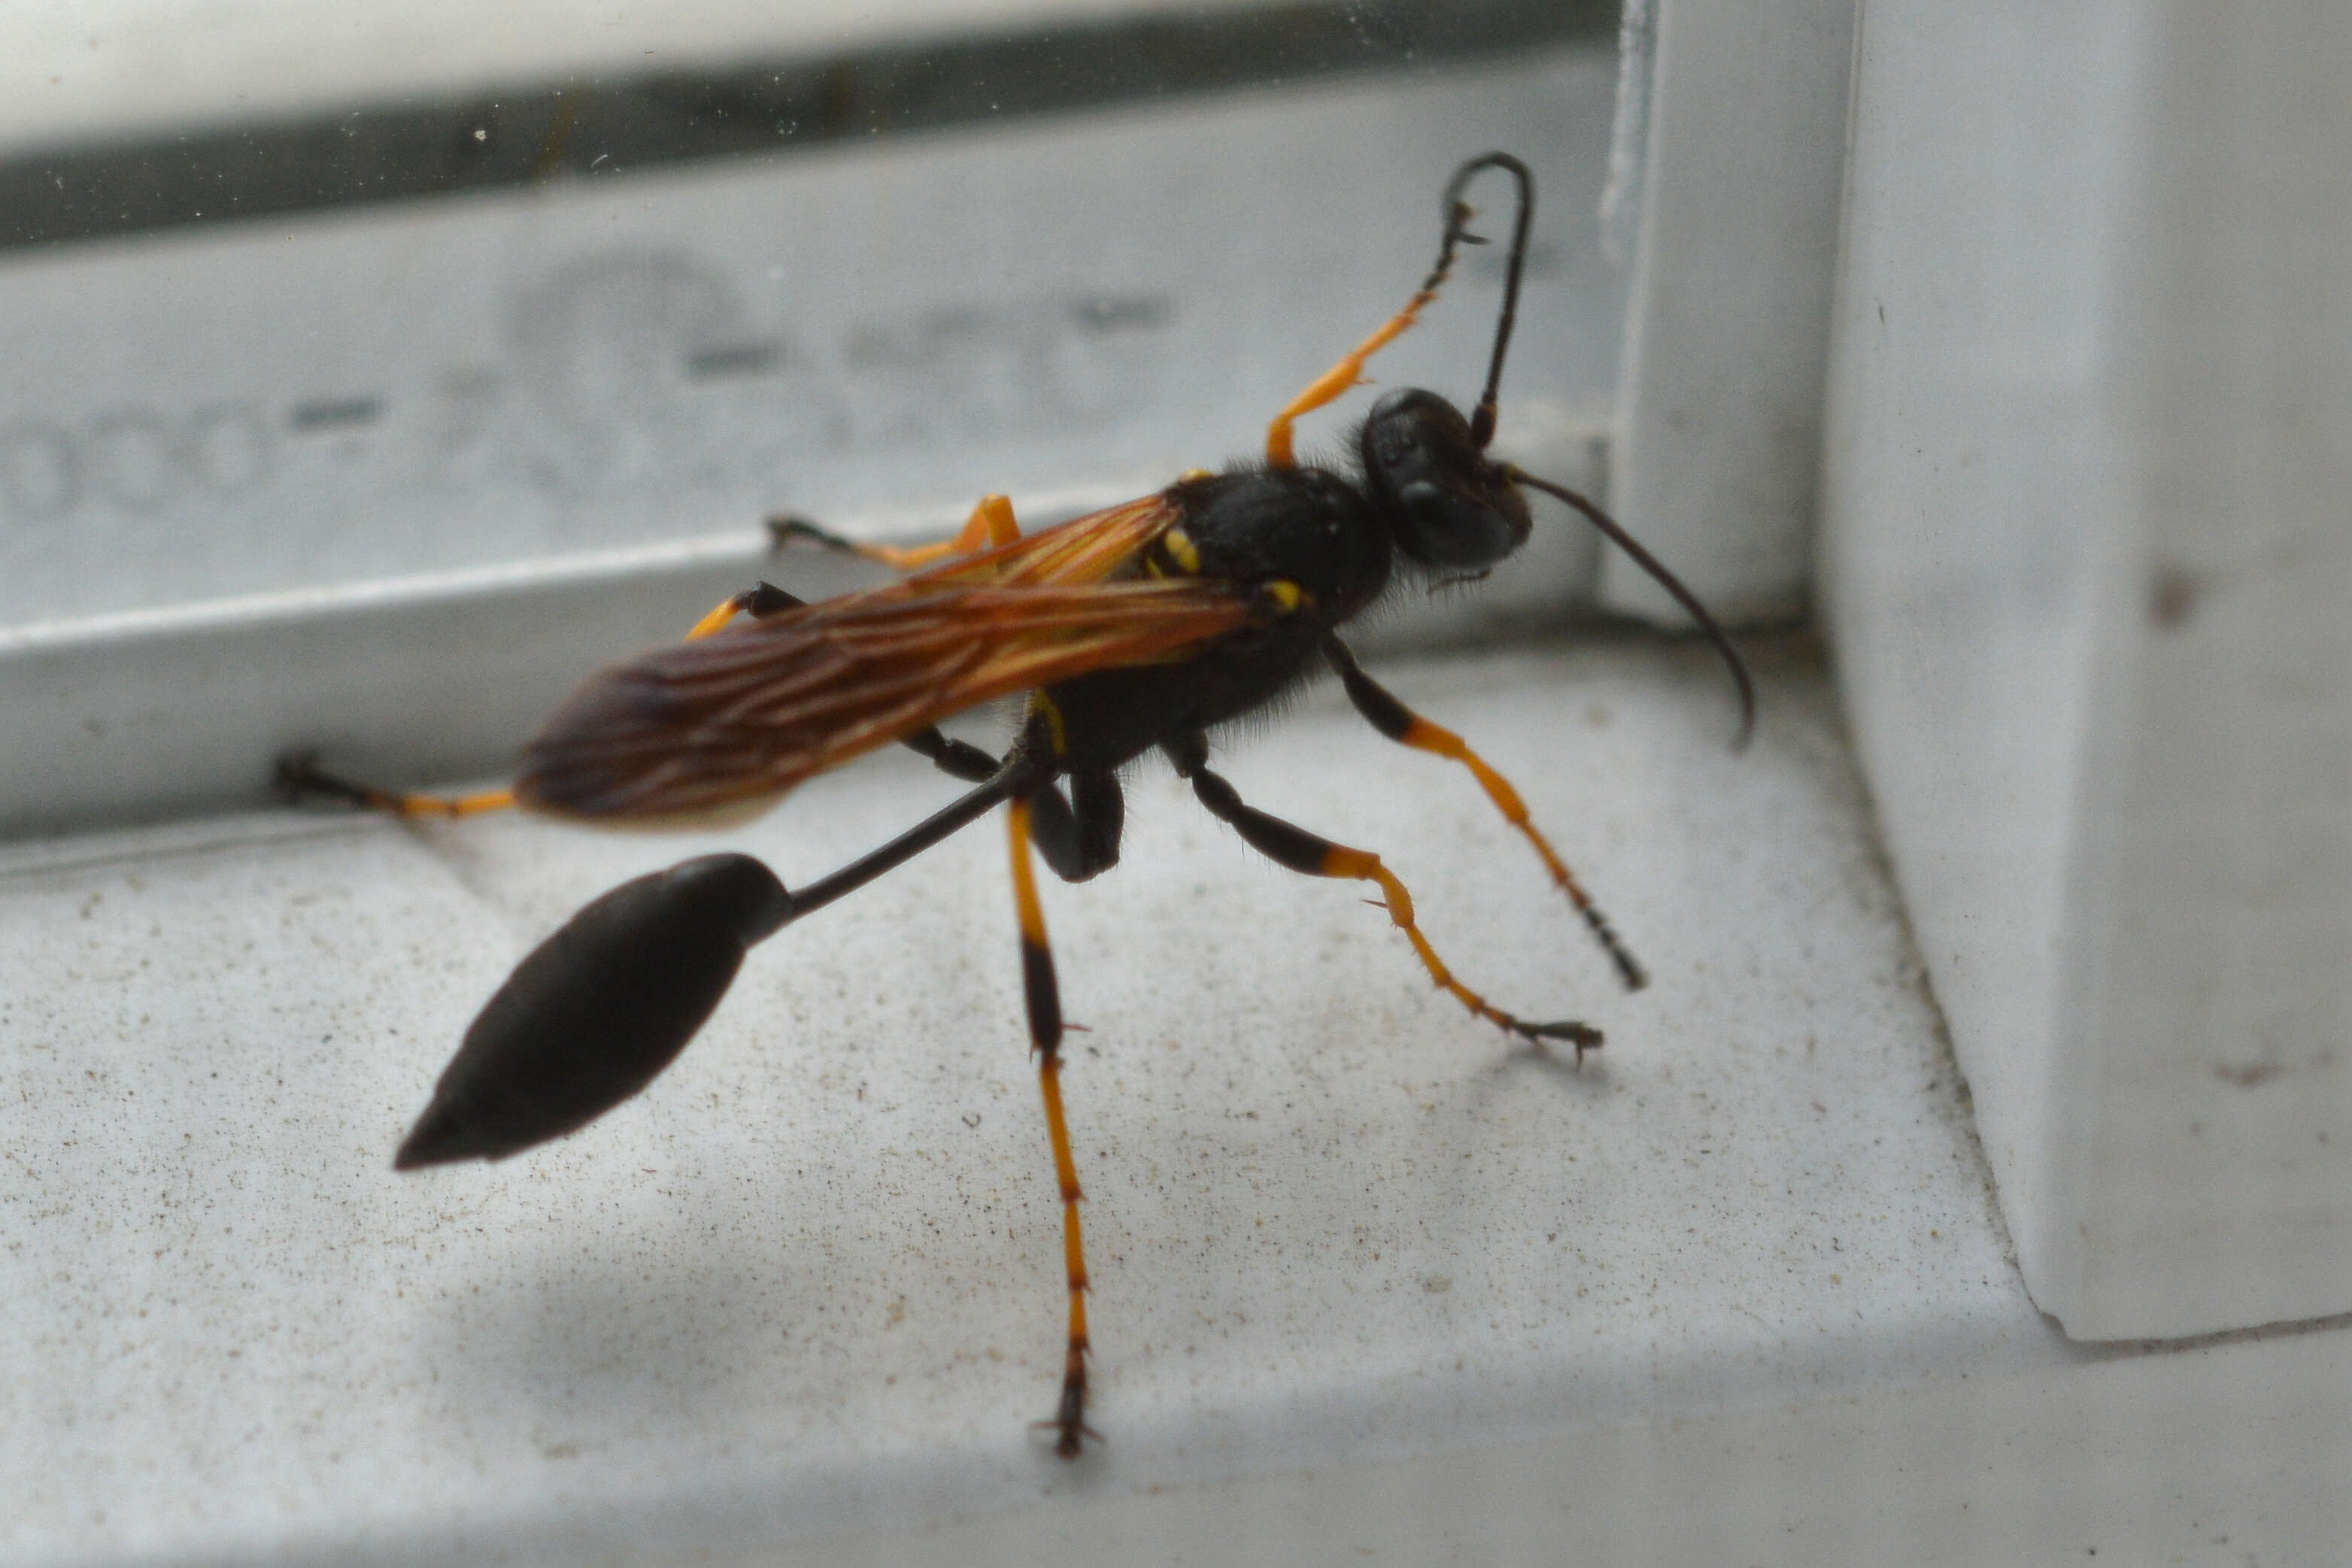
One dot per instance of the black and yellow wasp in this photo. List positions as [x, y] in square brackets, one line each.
[1145, 625]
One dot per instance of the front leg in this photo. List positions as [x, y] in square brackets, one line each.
[1294, 849]
[1406, 727]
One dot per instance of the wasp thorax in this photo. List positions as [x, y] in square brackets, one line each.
[1449, 504]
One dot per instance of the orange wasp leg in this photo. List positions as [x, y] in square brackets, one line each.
[1406, 727]
[1341, 377]
[1298, 849]
[724, 611]
[766, 599]
[1336, 382]
[1043, 996]
[1349, 373]
[300, 776]
[992, 523]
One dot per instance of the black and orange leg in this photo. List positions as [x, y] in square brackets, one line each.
[956, 758]
[1406, 727]
[1079, 836]
[1043, 997]
[1342, 377]
[761, 598]
[1336, 382]
[992, 523]
[299, 777]
[1298, 849]
[1349, 373]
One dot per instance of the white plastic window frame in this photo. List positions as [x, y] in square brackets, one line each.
[1714, 457]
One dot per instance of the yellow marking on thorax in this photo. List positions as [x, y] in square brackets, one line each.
[1181, 549]
[1040, 703]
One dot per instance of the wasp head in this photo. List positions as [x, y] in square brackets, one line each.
[1451, 507]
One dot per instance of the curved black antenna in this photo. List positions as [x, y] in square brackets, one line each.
[1458, 213]
[1668, 581]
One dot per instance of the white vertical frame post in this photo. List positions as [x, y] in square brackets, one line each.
[2087, 572]
[1719, 446]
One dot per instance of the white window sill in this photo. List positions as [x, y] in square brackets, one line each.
[809, 1283]
[1366, 1276]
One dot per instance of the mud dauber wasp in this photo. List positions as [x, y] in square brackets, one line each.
[1139, 627]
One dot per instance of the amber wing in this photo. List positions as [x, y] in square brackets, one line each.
[740, 717]
[1093, 548]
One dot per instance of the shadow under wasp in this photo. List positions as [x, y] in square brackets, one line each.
[1142, 626]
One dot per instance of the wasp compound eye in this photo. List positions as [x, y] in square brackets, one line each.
[597, 1009]
[1447, 530]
